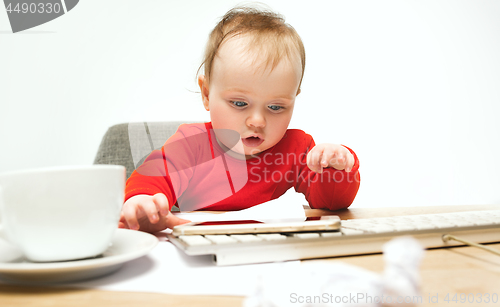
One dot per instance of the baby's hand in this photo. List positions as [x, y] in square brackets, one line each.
[330, 155]
[148, 213]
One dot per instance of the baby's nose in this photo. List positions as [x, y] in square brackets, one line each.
[256, 120]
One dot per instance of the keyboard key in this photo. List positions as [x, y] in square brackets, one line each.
[382, 229]
[195, 240]
[306, 235]
[331, 234]
[404, 228]
[221, 239]
[246, 238]
[426, 225]
[350, 223]
[445, 224]
[481, 222]
[349, 232]
[272, 236]
[464, 223]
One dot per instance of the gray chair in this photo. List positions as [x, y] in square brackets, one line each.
[129, 144]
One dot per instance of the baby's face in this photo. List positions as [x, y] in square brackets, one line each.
[246, 97]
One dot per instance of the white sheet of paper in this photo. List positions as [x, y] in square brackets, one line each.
[287, 208]
[166, 269]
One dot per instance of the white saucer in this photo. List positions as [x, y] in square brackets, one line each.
[125, 246]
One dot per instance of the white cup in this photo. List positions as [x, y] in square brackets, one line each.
[62, 213]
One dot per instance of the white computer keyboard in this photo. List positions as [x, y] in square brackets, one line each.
[356, 237]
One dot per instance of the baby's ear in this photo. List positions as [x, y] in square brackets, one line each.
[202, 82]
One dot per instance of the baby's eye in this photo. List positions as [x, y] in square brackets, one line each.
[275, 108]
[239, 103]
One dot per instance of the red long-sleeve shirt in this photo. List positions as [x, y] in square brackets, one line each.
[194, 172]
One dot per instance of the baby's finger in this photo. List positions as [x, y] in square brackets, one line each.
[325, 158]
[161, 203]
[313, 160]
[328, 159]
[150, 210]
[340, 160]
[171, 220]
[130, 217]
[122, 223]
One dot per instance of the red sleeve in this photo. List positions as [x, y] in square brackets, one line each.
[332, 189]
[169, 169]
[151, 178]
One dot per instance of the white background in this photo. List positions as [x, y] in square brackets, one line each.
[412, 86]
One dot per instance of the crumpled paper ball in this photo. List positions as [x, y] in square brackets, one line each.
[339, 284]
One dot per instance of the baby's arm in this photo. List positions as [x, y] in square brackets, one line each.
[329, 176]
[153, 187]
[148, 213]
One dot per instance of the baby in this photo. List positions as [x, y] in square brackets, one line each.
[253, 68]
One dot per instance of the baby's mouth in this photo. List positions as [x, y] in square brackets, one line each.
[252, 141]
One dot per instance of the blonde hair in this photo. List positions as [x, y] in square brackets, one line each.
[268, 31]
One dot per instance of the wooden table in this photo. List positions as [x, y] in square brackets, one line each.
[449, 271]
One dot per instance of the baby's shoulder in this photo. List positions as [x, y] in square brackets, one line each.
[296, 138]
[297, 135]
[192, 129]
[191, 136]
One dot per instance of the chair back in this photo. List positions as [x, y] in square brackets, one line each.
[129, 144]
